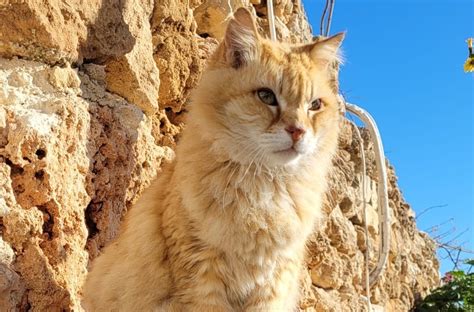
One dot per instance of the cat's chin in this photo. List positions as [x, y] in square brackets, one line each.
[289, 156]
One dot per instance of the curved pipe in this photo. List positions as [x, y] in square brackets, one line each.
[382, 190]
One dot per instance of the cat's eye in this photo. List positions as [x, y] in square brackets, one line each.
[267, 96]
[316, 105]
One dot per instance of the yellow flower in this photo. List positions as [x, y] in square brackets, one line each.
[469, 64]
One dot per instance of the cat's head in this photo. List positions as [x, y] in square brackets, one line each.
[268, 102]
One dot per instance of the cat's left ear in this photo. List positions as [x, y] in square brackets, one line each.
[241, 39]
[326, 51]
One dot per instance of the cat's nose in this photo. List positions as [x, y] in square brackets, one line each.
[295, 132]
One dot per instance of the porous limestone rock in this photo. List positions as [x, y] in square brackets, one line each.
[64, 31]
[134, 75]
[176, 52]
[93, 97]
[212, 16]
[74, 158]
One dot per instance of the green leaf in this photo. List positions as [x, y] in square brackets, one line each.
[469, 261]
[457, 274]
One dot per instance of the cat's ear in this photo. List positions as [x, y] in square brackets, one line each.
[241, 39]
[327, 50]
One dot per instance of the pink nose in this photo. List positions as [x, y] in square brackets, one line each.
[295, 132]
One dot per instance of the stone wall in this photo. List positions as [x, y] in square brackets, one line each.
[92, 99]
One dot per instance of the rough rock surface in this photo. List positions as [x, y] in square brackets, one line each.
[64, 31]
[93, 97]
[134, 75]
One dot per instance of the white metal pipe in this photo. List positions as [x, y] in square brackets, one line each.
[382, 190]
[271, 20]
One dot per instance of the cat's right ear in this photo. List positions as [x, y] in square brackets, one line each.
[241, 39]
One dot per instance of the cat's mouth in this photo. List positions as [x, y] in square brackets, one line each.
[291, 151]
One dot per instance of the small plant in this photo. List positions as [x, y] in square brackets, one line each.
[455, 295]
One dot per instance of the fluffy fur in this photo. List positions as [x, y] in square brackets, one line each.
[225, 225]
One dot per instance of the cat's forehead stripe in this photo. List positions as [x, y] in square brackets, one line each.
[293, 79]
[296, 82]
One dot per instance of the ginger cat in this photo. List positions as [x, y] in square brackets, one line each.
[225, 225]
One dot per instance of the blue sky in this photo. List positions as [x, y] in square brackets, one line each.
[404, 65]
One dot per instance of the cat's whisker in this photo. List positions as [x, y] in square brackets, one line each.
[263, 167]
[255, 153]
[242, 152]
[237, 167]
[259, 163]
